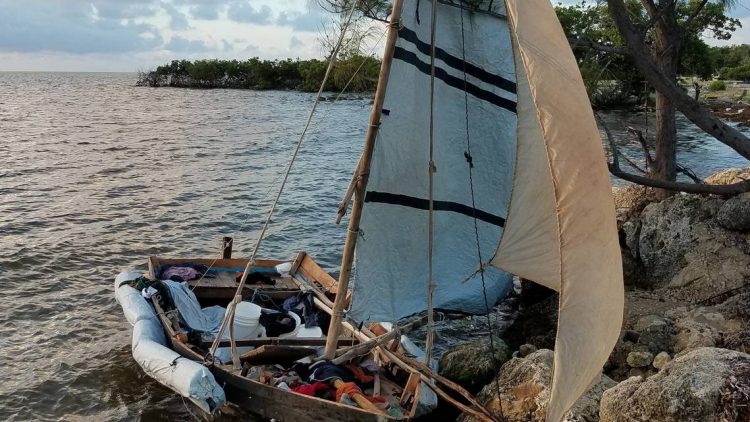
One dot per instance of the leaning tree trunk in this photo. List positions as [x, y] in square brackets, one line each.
[666, 56]
[665, 157]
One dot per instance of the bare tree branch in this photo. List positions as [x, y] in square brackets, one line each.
[693, 110]
[697, 188]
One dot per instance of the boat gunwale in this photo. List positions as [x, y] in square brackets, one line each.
[228, 375]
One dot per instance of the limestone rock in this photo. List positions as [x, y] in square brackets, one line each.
[656, 333]
[640, 359]
[536, 324]
[524, 389]
[729, 176]
[701, 327]
[704, 385]
[526, 349]
[472, 365]
[661, 360]
[734, 214]
[682, 247]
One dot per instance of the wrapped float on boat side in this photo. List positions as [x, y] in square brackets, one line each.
[150, 349]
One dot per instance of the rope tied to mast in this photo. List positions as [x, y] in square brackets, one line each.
[229, 315]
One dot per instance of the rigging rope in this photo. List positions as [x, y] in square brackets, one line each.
[251, 262]
[343, 90]
[476, 224]
[431, 171]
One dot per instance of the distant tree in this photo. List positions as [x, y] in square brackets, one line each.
[656, 33]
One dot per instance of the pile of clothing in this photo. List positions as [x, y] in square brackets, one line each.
[185, 272]
[302, 304]
[319, 378]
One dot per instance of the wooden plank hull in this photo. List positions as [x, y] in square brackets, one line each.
[284, 406]
[263, 400]
[269, 402]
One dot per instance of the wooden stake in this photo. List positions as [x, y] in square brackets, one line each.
[226, 247]
[363, 348]
[353, 230]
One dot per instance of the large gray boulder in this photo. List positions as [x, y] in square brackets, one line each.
[683, 249]
[734, 214]
[524, 388]
[472, 365]
[703, 385]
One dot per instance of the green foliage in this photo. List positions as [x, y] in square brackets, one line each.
[607, 69]
[717, 86]
[738, 73]
[304, 75]
[733, 62]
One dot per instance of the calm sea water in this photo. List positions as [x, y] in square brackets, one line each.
[97, 175]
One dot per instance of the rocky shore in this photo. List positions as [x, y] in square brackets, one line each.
[683, 349]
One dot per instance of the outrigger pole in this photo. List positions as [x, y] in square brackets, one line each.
[363, 172]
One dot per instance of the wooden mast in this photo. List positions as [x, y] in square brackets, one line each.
[363, 170]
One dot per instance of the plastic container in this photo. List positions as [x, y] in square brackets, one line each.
[247, 324]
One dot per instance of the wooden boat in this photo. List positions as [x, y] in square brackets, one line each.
[435, 225]
[264, 400]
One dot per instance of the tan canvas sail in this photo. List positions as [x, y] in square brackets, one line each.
[561, 229]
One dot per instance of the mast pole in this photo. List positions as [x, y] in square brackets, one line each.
[337, 314]
[431, 219]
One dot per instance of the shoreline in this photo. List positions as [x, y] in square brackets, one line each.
[686, 328]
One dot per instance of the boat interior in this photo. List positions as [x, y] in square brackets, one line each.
[280, 338]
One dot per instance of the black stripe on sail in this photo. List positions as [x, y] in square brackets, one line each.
[457, 63]
[424, 204]
[458, 83]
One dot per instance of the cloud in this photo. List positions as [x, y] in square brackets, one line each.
[245, 13]
[179, 44]
[118, 11]
[177, 20]
[311, 21]
[205, 11]
[72, 27]
[295, 42]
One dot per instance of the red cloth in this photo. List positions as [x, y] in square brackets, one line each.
[312, 389]
[359, 374]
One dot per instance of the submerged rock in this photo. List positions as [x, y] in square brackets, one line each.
[704, 385]
[523, 385]
[729, 176]
[472, 365]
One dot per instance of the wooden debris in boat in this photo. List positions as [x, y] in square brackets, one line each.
[365, 347]
[275, 353]
[281, 341]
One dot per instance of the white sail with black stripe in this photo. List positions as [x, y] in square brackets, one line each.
[474, 147]
[520, 182]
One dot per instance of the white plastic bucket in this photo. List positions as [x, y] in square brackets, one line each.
[246, 320]
[247, 324]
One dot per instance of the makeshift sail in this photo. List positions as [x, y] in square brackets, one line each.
[475, 148]
[514, 125]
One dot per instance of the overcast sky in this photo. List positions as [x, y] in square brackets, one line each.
[130, 35]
